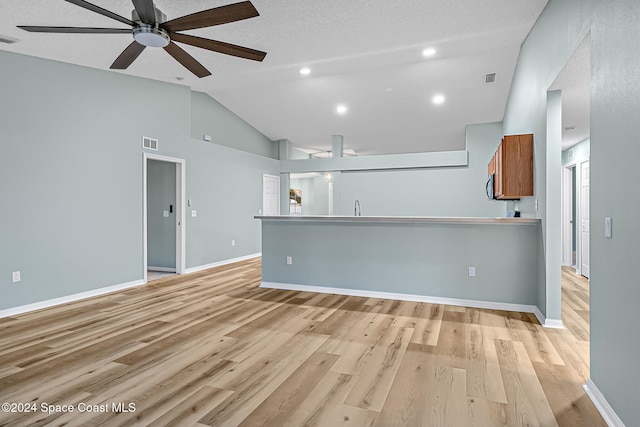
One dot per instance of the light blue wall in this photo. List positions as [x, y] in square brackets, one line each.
[433, 191]
[407, 258]
[548, 47]
[615, 293]
[210, 117]
[445, 191]
[71, 178]
[161, 198]
[315, 201]
[581, 152]
[225, 188]
[615, 103]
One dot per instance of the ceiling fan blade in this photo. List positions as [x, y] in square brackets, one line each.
[221, 47]
[127, 56]
[187, 60]
[101, 11]
[146, 11]
[82, 30]
[211, 17]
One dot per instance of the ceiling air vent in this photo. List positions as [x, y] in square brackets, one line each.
[149, 143]
[7, 39]
[490, 78]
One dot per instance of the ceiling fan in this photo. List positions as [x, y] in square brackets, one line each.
[150, 28]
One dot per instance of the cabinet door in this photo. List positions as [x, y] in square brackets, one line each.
[499, 184]
[492, 165]
[517, 166]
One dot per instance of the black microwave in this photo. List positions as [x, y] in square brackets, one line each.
[489, 187]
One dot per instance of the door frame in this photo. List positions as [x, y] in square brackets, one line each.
[180, 210]
[567, 213]
[579, 215]
[566, 199]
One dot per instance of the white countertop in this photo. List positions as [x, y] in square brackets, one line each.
[399, 219]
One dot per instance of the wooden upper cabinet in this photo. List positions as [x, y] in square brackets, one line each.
[512, 165]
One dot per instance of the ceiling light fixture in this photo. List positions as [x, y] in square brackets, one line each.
[438, 99]
[341, 109]
[305, 71]
[150, 36]
[429, 52]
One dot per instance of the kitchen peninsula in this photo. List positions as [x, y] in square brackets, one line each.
[475, 262]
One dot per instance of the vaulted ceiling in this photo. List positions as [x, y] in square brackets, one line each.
[364, 54]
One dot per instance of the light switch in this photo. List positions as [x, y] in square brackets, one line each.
[607, 227]
[194, 213]
[165, 214]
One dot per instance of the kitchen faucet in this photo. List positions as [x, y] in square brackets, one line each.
[356, 208]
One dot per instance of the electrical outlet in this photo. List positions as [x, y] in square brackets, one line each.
[472, 272]
[289, 260]
[194, 213]
[15, 276]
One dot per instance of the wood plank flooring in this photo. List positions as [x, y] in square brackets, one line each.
[213, 349]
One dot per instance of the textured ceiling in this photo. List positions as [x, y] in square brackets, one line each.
[364, 54]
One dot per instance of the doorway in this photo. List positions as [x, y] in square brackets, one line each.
[270, 195]
[569, 220]
[575, 206]
[163, 216]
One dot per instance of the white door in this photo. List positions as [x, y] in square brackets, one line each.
[270, 195]
[584, 214]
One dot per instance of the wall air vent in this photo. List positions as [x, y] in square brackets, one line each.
[149, 143]
[7, 39]
[490, 78]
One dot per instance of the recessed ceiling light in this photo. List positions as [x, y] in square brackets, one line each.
[341, 109]
[429, 52]
[389, 90]
[438, 99]
[305, 71]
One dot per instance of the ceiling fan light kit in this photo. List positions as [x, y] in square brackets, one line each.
[150, 28]
[150, 36]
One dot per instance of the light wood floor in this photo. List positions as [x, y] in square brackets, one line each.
[213, 349]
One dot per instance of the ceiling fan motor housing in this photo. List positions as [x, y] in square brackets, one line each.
[160, 16]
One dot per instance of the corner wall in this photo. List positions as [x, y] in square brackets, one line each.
[615, 103]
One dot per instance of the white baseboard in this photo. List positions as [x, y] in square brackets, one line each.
[548, 323]
[162, 269]
[490, 305]
[101, 291]
[69, 298]
[223, 262]
[601, 404]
